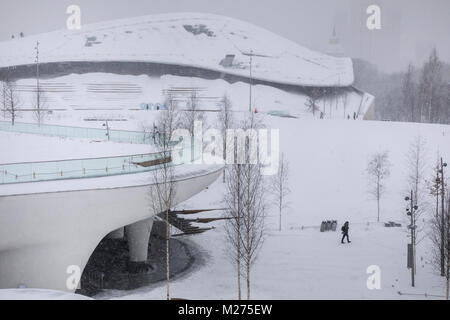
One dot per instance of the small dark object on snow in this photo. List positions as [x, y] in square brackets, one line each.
[391, 224]
[329, 225]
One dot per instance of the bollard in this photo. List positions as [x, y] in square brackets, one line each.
[334, 225]
[323, 226]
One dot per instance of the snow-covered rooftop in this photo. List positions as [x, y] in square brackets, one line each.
[188, 39]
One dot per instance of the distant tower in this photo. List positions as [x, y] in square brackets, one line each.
[334, 46]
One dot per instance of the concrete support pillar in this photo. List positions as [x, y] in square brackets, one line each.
[138, 235]
[117, 234]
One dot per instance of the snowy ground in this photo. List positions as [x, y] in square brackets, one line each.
[301, 264]
[328, 181]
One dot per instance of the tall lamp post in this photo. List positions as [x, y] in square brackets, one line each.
[412, 227]
[442, 184]
[38, 85]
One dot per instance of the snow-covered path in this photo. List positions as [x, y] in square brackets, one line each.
[301, 264]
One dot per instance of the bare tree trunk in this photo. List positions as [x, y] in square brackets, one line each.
[164, 188]
[248, 225]
[167, 255]
[378, 198]
[238, 235]
[248, 280]
[225, 118]
[442, 219]
[448, 251]
[378, 170]
[281, 201]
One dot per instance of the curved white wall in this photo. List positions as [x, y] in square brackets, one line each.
[42, 234]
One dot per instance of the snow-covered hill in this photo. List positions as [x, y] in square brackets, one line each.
[187, 39]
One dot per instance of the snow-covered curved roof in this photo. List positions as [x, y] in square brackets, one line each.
[189, 39]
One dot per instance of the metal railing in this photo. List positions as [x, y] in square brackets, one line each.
[121, 136]
[96, 167]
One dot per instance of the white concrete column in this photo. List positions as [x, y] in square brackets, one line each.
[117, 234]
[138, 236]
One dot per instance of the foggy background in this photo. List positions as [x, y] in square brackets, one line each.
[410, 28]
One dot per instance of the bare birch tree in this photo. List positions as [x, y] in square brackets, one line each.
[447, 248]
[409, 95]
[11, 101]
[225, 119]
[193, 112]
[441, 253]
[345, 102]
[416, 166]
[378, 170]
[163, 188]
[246, 205]
[40, 112]
[279, 186]
[438, 188]
[3, 100]
[430, 89]
[312, 102]
[253, 200]
[233, 227]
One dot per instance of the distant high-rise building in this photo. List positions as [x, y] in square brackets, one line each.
[334, 45]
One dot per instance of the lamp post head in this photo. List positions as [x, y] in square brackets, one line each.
[407, 198]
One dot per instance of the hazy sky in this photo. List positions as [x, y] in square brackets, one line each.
[410, 28]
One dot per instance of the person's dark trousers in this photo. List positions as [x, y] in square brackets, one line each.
[345, 236]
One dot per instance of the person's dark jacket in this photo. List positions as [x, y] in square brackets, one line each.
[345, 228]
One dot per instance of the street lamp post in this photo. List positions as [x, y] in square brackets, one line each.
[442, 184]
[38, 85]
[411, 213]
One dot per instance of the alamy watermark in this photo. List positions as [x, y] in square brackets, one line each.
[374, 19]
[243, 146]
[374, 280]
[74, 20]
[74, 278]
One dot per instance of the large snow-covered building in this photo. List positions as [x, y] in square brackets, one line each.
[116, 66]
[189, 45]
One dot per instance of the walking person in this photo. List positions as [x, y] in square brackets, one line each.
[345, 228]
